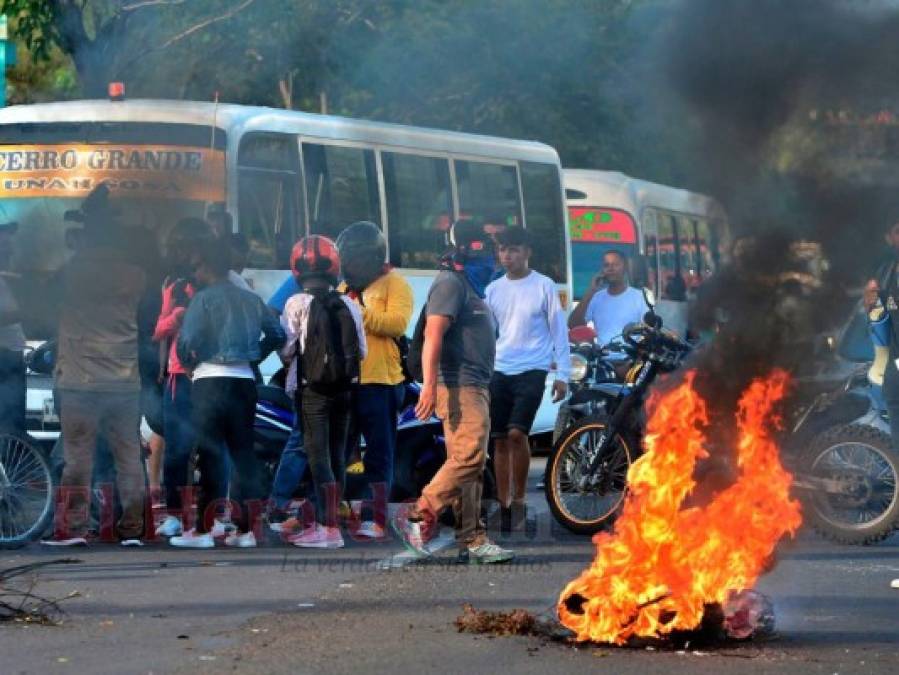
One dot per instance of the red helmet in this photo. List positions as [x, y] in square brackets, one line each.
[315, 255]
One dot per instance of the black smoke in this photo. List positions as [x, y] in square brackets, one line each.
[783, 98]
[789, 115]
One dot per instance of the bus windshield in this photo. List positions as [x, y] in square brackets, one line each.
[156, 174]
[595, 230]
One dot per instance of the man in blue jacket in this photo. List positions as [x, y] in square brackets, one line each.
[219, 340]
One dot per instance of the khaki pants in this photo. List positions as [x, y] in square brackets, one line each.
[115, 416]
[465, 412]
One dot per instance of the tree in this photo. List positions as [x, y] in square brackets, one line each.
[558, 71]
[106, 39]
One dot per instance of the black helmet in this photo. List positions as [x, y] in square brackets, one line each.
[363, 251]
[469, 239]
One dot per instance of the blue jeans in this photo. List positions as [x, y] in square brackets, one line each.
[376, 407]
[180, 438]
[291, 468]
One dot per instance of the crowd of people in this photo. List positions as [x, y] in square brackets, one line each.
[179, 345]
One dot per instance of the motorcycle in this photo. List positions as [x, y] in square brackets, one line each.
[844, 463]
[586, 473]
[592, 379]
[838, 448]
[420, 448]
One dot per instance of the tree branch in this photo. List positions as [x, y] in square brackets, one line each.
[190, 31]
[149, 3]
[204, 24]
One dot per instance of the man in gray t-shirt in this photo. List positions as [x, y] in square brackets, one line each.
[466, 358]
[457, 362]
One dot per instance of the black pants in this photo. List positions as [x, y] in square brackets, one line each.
[891, 398]
[12, 391]
[326, 423]
[223, 412]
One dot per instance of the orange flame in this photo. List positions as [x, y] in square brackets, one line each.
[663, 563]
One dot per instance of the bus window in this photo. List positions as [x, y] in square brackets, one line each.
[488, 192]
[419, 208]
[268, 197]
[671, 273]
[341, 187]
[707, 248]
[688, 260]
[545, 218]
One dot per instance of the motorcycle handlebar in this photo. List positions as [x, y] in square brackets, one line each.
[653, 337]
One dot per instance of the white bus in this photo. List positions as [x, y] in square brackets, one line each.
[281, 174]
[675, 235]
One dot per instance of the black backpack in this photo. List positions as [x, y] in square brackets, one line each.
[412, 367]
[331, 357]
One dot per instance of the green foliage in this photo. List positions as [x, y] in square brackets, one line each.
[566, 72]
[35, 23]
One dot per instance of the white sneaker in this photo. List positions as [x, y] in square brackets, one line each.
[131, 543]
[169, 527]
[191, 539]
[318, 536]
[221, 528]
[237, 540]
[487, 553]
[371, 530]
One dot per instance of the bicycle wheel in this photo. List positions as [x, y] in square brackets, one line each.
[26, 491]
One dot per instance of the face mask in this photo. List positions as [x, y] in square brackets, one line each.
[479, 271]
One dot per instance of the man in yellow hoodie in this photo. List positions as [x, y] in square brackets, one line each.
[386, 301]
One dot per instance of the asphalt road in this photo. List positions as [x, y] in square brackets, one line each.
[277, 609]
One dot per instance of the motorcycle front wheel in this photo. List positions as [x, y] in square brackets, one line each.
[582, 506]
[859, 468]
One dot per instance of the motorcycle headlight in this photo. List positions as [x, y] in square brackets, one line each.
[579, 368]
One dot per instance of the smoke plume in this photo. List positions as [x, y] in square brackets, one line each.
[789, 115]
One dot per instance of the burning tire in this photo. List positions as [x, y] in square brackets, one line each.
[854, 498]
[583, 504]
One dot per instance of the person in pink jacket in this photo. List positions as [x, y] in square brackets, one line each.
[178, 431]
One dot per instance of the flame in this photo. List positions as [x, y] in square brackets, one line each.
[662, 564]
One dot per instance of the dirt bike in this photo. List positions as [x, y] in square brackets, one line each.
[586, 473]
[844, 463]
[592, 380]
[838, 447]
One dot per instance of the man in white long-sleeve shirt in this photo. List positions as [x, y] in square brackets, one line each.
[532, 339]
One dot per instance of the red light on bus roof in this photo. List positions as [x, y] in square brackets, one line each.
[116, 91]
